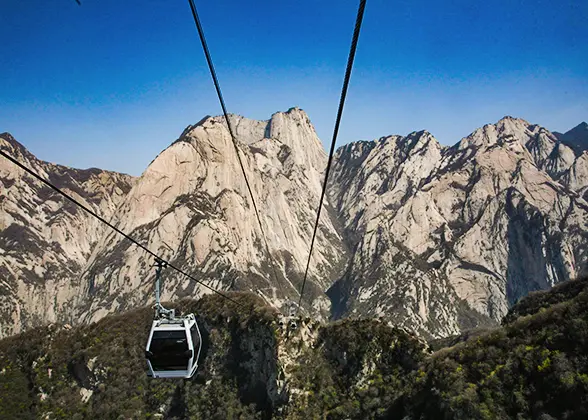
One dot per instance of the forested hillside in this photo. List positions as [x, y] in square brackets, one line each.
[255, 367]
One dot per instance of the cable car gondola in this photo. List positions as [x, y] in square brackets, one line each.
[174, 344]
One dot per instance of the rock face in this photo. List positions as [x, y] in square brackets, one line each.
[191, 206]
[435, 239]
[449, 238]
[46, 240]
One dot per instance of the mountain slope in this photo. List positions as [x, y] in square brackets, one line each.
[44, 239]
[449, 238]
[436, 239]
[532, 368]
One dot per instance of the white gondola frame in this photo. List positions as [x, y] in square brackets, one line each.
[177, 324]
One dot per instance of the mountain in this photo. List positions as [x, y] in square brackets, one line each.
[576, 138]
[434, 239]
[191, 206]
[447, 238]
[46, 240]
[255, 367]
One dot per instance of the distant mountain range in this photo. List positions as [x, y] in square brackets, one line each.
[576, 138]
[435, 239]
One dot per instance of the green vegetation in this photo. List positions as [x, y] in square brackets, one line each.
[356, 369]
[48, 370]
[533, 367]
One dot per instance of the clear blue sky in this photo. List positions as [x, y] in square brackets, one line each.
[112, 83]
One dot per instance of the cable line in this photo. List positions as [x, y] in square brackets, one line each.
[233, 138]
[88, 210]
[350, 60]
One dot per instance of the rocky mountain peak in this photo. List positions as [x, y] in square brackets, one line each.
[518, 139]
[192, 207]
[576, 138]
[44, 239]
[297, 138]
[12, 146]
[419, 142]
[428, 222]
[288, 134]
[372, 176]
[498, 133]
[509, 119]
[9, 140]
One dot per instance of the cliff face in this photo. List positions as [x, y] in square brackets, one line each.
[447, 238]
[45, 240]
[576, 138]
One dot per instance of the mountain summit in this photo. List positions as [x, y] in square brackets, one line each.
[191, 206]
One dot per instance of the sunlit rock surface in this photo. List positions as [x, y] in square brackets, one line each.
[449, 238]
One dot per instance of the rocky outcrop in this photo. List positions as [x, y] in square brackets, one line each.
[46, 240]
[192, 207]
[449, 238]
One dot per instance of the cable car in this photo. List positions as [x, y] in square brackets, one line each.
[173, 348]
[174, 344]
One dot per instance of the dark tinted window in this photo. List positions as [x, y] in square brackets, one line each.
[195, 338]
[168, 348]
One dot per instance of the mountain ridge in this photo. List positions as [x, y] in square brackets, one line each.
[403, 209]
[45, 239]
[432, 237]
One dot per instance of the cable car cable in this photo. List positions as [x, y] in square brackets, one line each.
[73, 200]
[233, 138]
[350, 60]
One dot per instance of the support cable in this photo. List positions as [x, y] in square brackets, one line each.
[91, 212]
[350, 60]
[231, 132]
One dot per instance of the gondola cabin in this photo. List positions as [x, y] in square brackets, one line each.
[173, 348]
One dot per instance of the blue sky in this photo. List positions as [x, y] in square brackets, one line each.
[112, 83]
